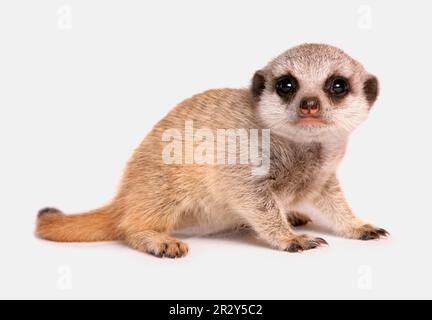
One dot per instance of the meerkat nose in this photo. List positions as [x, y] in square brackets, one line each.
[310, 107]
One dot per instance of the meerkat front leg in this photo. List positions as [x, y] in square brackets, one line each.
[331, 203]
[271, 225]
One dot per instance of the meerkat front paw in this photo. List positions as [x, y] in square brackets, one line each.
[297, 219]
[369, 232]
[304, 242]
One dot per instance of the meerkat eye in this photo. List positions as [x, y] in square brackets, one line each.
[286, 86]
[339, 87]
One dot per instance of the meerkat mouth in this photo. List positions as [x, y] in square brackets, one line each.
[310, 121]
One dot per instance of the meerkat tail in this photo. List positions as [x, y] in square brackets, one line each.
[95, 225]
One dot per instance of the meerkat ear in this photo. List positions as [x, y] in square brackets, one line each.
[258, 85]
[371, 89]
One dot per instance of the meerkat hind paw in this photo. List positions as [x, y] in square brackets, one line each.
[171, 248]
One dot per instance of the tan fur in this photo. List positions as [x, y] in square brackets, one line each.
[155, 199]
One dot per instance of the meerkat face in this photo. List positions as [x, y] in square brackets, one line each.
[313, 92]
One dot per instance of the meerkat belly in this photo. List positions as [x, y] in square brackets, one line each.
[207, 217]
[290, 199]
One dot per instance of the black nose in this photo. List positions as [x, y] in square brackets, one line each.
[310, 107]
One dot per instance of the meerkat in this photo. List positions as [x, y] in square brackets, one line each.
[310, 98]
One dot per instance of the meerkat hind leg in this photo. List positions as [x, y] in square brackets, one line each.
[157, 243]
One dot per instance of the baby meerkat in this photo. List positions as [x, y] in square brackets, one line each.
[308, 100]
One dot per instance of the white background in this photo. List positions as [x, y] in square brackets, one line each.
[77, 96]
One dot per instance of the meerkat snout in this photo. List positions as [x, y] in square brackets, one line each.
[310, 107]
[310, 113]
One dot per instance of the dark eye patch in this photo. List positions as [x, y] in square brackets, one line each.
[337, 88]
[286, 87]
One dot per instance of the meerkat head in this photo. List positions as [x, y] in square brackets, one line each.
[313, 92]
